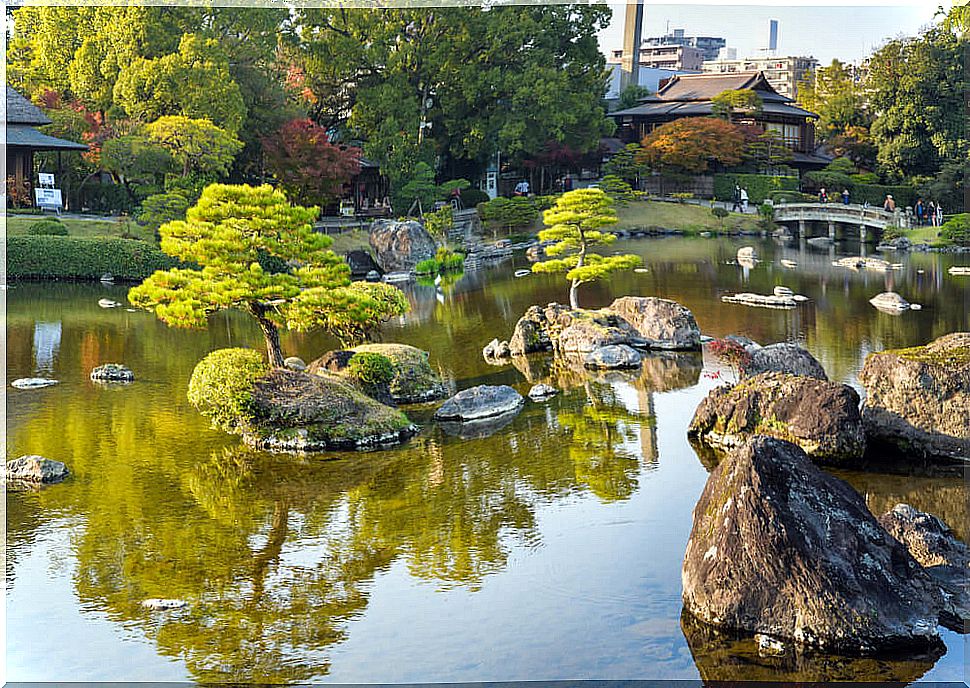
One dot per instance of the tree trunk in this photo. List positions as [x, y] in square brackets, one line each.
[574, 287]
[271, 334]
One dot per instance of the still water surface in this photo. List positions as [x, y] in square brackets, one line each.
[548, 550]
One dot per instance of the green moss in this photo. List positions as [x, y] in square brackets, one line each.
[956, 356]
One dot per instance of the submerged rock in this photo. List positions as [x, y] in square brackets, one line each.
[917, 399]
[112, 372]
[613, 357]
[400, 245]
[663, 324]
[483, 401]
[35, 469]
[542, 391]
[762, 300]
[783, 358]
[821, 417]
[108, 303]
[159, 604]
[33, 382]
[890, 302]
[781, 548]
[495, 350]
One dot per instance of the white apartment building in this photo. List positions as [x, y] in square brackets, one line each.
[783, 73]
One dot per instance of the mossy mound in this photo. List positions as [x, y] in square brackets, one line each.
[414, 380]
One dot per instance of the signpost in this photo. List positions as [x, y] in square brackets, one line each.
[45, 195]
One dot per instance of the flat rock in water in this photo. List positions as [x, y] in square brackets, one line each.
[783, 358]
[158, 604]
[33, 382]
[821, 417]
[479, 402]
[863, 263]
[663, 324]
[762, 300]
[542, 391]
[783, 549]
[112, 372]
[613, 357]
[108, 303]
[890, 301]
[36, 469]
[917, 399]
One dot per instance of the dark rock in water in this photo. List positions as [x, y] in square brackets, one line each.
[483, 401]
[531, 333]
[663, 323]
[299, 411]
[722, 657]
[400, 245]
[495, 350]
[542, 391]
[917, 399]
[478, 429]
[783, 549]
[112, 372]
[294, 363]
[945, 558]
[35, 469]
[784, 358]
[361, 263]
[820, 417]
[612, 357]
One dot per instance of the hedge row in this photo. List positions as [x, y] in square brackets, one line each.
[876, 194]
[54, 257]
[759, 186]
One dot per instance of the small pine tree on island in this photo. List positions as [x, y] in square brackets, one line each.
[260, 254]
[574, 225]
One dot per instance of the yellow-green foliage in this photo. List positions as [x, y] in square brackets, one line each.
[574, 225]
[222, 384]
[371, 369]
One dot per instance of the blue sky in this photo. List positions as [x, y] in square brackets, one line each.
[825, 32]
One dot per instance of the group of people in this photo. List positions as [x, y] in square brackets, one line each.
[740, 199]
[823, 196]
[928, 213]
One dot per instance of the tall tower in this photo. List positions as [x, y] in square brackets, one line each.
[632, 30]
[772, 36]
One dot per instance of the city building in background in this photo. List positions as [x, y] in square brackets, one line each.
[783, 73]
[708, 45]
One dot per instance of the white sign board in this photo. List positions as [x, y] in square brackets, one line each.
[46, 179]
[48, 198]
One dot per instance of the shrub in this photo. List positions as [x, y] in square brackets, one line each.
[508, 212]
[759, 186]
[617, 189]
[160, 208]
[83, 258]
[790, 197]
[106, 198]
[956, 230]
[370, 368]
[682, 197]
[470, 198]
[439, 222]
[545, 202]
[222, 384]
[766, 217]
[48, 227]
[431, 266]
[719, 212]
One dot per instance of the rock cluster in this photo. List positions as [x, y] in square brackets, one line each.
[112, 372]
[400, 245]
[35, 469]
[414, 380]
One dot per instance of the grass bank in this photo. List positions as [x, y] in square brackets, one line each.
[685, 217]
[19, 225]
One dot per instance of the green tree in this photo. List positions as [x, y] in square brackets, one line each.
[837, 97]
[197, 145]
[743, 102]
[626, 164]
[618, 189]
[631, 96]
[229, 233]
[574, 226]
[768, 150]
[135, 159]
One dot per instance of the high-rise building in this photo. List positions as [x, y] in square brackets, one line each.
[708, 45]
[783, 73]
[673, 57]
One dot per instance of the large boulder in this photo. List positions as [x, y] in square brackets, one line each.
[35, 469]
[400, 245]
[917, 399]
[663, 323]
[781, 548]
[613, 357]
[582, 331]
[945, 558]
[483, 401]
[820, 417]
[414, 381]
[298, 411]
[783, 358]
[531, 333]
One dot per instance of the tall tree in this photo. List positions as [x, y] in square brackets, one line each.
[197, 145]
[230, 232]
[691, 144]
[731, 104]
[574, 227]
[837, 97]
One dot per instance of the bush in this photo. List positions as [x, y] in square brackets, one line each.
[470, 198]
[370, 369]
[508, 213]
[431, 266]
[617, 189]
[161, 208]
[956, 230]
[48, 227]
[545, 202]
[222, 384]
[766, 217]
[682, 197]
[439, 222]
[759, 186]
[54, 257]
[875, 194]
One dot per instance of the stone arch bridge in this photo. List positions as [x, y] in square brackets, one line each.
[833, 217]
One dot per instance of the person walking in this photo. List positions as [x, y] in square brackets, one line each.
[744, 200]
[931, 212]
[522, 188]
[823, 196]
[920, 210]
[889, 205]
[737, 199]
[845, 196]
[939, 214]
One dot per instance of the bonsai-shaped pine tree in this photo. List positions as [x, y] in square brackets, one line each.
[260, 254]
[575, 222]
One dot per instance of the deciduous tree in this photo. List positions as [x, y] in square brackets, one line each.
[574, 226]
[689, 145]
[197, 145]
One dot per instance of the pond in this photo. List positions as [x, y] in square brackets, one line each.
[548, 550]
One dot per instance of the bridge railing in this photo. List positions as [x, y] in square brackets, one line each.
[839, 212]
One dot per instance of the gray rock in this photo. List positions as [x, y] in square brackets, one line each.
[762, 300]
[294, 363]
[112, 372]
[495, 350]
[747, 343]
[36, 469]
[781, 548]
[400, 245]
[917, 398]
[542, 391]
[821, 417]
[944, 557]
[483, 401]
[663, 323]
[33, 382]
[784, 358]
[108, 303]
[531, 333]
[890, 301]
[612, 357]
[583, 331]
[158, 604]
[373, 276]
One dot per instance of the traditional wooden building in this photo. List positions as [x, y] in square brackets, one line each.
[691, 95]
[23, 140]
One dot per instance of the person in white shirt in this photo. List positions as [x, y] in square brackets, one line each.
[522, 188]
[744, 200]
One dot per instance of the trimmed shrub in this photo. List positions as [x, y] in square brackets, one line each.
[53, 257]
[161, 208]
[48, 227]
[222, 383]
[875, 194]
[617, 189]
[470, 198]
[759, 186]
[545, 202]
[508, 213]
[956, 230]
[370, 369]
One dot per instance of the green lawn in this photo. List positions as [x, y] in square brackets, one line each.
[924, 235]
[684, 217]
[17, 225]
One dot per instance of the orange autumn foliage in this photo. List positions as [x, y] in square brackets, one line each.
[689, 145]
